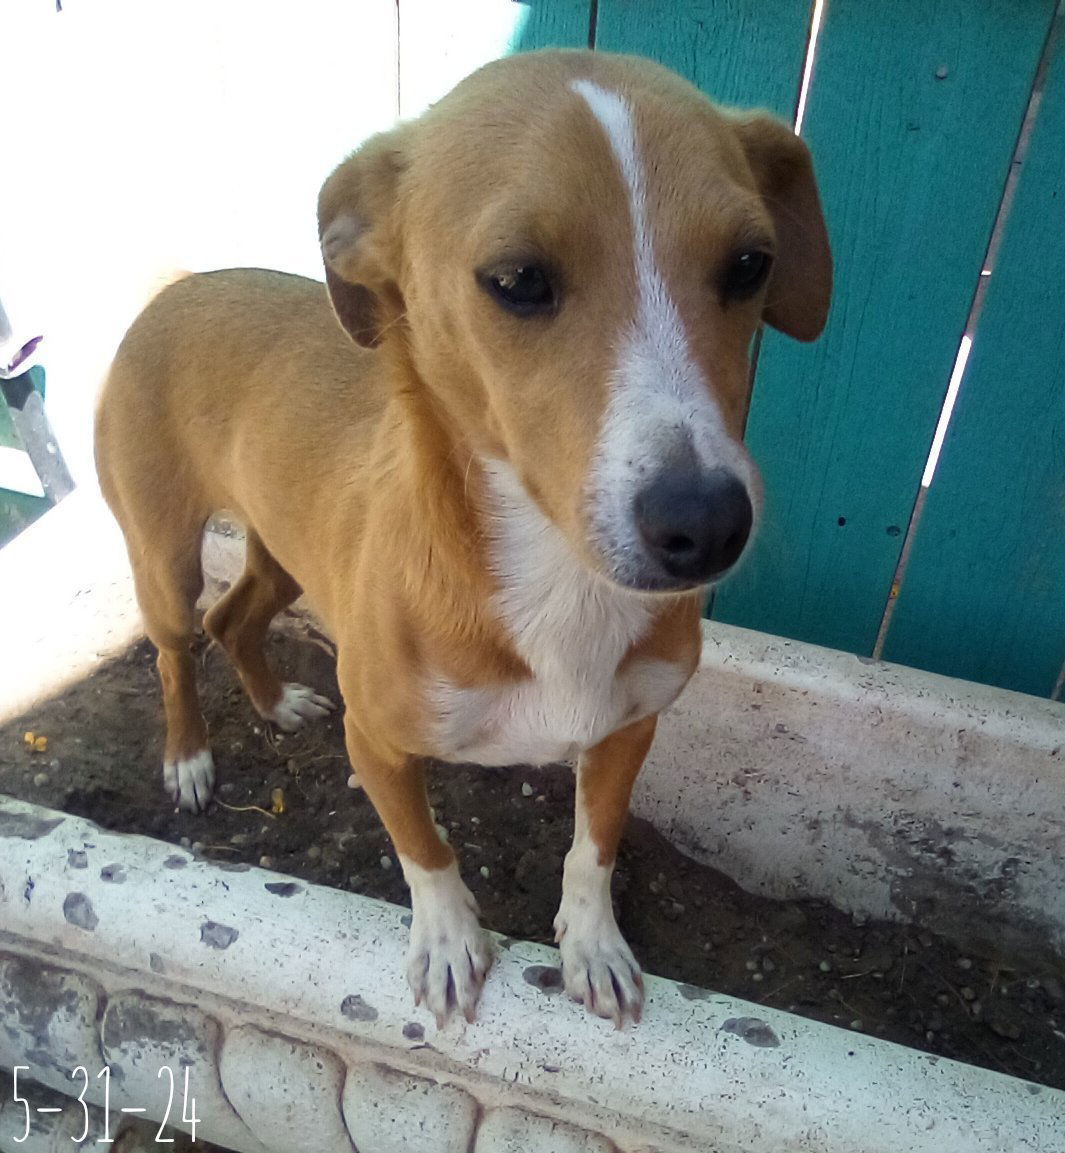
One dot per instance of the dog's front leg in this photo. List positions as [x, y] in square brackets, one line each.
[450, 953]
[597, 964]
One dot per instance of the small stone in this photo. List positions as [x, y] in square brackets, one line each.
[527, 871]
[751, 966]
[197, 847]
[964, 963]
[266, 862]
[239, 839]
[184, 842]
[314, 852]
[40, 780]
[1054, 990]
[291, 765]
[976, 1008]
[943, 1000]
[442, 833]
[758, 977]
[655, 888]
[485, 872]
[53, 765]
[825, 967]
[526, 789]
[386, 862]
[942, 72]
[858, 1025]
[967, 993]
[768, 965]
[353, 781]
[1005, 1028]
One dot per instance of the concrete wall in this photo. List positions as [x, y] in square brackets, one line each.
[801, 771]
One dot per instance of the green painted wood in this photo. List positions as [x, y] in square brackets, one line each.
[913, 114]
[9, 437]
[554, 24]
[18, 510]
[440, 43]
[744, 52]
[983, 596]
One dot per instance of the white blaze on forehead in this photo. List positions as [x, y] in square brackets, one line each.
[657, 318]
[660, 402]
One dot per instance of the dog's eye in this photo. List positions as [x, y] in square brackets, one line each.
[745, 274]
[523, 290]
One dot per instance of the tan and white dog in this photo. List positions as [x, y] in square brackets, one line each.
[506, 496]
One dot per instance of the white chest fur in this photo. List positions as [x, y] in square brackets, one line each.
[572, 628]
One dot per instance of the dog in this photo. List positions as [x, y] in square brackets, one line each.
[504, 480]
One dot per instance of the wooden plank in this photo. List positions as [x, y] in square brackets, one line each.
[554, 24]
[913, 114]
[18, 510]
[440, 44]
[744, 52]
[9, 437]
[983, 596]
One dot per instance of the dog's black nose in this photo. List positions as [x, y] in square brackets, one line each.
[695, 524]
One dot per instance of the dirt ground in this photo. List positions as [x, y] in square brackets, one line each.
[512, 828]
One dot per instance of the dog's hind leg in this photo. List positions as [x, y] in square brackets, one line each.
[168, 578]
[239, 622]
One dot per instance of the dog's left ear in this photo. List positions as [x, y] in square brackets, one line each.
[801, 284]
[359, 233]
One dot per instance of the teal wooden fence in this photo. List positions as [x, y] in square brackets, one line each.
[18, 510]
[914, 115]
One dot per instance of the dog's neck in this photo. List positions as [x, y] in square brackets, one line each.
[480, 548]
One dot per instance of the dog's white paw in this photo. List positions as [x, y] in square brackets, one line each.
[450, 954]
[298, 704]
[598, 969]
[190, 782]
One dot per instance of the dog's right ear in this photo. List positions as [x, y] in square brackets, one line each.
[360, 239]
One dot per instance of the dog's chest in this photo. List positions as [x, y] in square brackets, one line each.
[551, 717]
[573, 630]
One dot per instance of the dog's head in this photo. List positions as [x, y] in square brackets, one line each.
[576, 250]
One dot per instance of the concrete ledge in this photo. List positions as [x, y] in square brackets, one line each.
[890, 792]
[288, 1006]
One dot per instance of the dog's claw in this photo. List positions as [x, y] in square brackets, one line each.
[450, 954]
[599, 970]
[448, 975]
[190, 782]
[298, 703]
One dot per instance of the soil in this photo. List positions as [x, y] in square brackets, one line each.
[511, 828]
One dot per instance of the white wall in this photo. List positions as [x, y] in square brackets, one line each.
[141, 136]
[144, 136]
